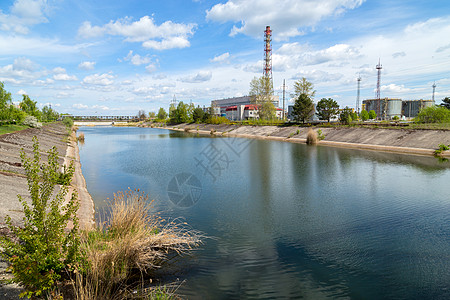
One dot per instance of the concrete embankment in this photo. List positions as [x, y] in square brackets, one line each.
[407, 141]
[12, 174]
[13, 181]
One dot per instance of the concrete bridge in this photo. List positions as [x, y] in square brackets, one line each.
[103, 118]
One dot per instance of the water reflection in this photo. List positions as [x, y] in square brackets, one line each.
[289, 220]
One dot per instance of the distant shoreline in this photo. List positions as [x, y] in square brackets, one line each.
[404, 141]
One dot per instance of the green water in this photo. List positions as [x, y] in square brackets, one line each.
[286, 220]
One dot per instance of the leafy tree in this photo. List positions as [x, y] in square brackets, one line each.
[261, 94]
[433, 114]
[42, 250]
[197, 116]
[364, 115]
[190, 111]
[5, 97]
[141, 115]
[162, 115]
[180, 114]
[30, 107]
[303, 108]
[327, 109]
[49, 114]
[346, 116]
[446, 102]
[172, 111]
[372, 115]
[9, 113]
[152, 115]
[303, 86]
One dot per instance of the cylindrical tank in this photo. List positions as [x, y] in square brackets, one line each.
[394, 108]
[411, 108]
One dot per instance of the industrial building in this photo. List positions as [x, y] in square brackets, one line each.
[387, 109]
[221, 106]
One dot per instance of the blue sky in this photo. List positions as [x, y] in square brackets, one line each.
[115, 57]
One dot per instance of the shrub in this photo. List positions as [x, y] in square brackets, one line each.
[433, 114]
[80, 137]
[364, 115]
[218, 120]
[32, 122]
[132, 241]
[320, 135]
[68, 122]
[42, 250]
[372, 115]
[311, 137]
[441, 148]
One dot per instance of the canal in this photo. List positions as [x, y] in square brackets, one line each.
[286, 220]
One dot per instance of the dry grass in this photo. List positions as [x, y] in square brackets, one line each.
[311, 137]
[80, 137]
[132, 245]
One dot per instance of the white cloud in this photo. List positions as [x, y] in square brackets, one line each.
[221, 58]
[87, 65]
[318, 76]
[102, 107]
[151, 68]
[284, 16]
[199, 77]
[105, 79]
[22, 92]
[80, 106]
[394, 88]
[64, 77]
[143, 90]
[136, 59]
[168, 35]
[24, 14]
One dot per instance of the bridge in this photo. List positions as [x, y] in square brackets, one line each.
[102, 118]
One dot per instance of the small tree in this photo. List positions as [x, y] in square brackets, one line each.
[162, 115]
[327, 109]
[364, 115]
[303, 108]
[30, 107]
[346, 115]
[303, 86]
[446, 102]
[197, 116]
[372, 115]
[42, 250]
[152, 115]
[261, 94]
[49, 114]
[433, 114]
[141, 115]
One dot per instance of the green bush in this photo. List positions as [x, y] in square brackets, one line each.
[433, 114]
[68, 122]
[42, 251]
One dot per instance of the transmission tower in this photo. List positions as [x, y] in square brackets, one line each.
[434, 89]
[268, 53]
[358, 94]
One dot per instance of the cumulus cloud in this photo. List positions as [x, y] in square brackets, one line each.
[398, 54]
[63, 95]
[22, 92]
[21, 69]
[394, 88]
[80, 106]
[199, 77]
[221, 58]
[286, 17]
[136, 59]
[86, 65]
[105, 79]
[168, 35]
[64, 77]
[318, 76]
[24, 14]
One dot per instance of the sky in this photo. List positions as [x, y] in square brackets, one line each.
[109, 57]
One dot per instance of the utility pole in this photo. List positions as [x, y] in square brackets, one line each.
[434, 89]
[358, 94]
[379, 67]
[284, 94]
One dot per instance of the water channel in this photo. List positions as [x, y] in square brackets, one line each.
[286, 220]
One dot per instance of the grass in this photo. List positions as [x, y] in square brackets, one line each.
[130, 248]
[11, 128]
[80, 137]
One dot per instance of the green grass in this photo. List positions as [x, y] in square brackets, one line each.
[11, 128]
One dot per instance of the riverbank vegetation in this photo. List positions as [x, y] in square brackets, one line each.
[51, 258]
[26, 114]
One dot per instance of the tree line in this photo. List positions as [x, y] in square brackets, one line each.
[26, 113]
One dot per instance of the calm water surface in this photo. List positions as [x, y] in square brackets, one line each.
[287, 220]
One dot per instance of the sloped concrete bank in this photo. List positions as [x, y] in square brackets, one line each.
[406, 141]
[13, 181]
